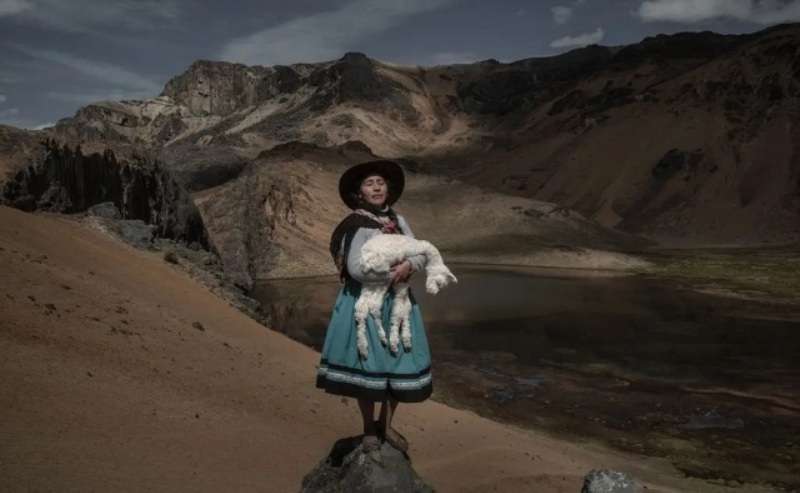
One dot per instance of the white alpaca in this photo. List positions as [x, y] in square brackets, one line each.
[378, 254]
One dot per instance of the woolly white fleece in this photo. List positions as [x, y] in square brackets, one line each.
[378, 254]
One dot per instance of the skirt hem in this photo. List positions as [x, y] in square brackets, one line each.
[352, 390]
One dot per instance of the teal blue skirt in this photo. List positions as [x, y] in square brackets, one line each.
[405, 376]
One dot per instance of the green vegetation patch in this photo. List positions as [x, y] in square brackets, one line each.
[773, 271]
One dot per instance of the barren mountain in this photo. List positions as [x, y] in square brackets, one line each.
[687, 139]
[394, 110]
[690, 138]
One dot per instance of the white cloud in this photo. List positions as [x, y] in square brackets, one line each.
[3, 98]
[43, 126]
[452, 58]
[688, 11]
[83, 15]
[561, 14]
[325, 35]
[579, 40]
[692, 10]
[13, 7]
[123, 79]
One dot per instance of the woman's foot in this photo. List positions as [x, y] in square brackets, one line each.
[394, 437]
[370, 443]
[371, 447]
[370, 440]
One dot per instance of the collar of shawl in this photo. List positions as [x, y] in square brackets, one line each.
[388, 221]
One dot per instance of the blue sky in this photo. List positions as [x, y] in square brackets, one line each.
[58, 55]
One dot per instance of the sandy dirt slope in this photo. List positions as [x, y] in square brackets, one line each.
[107, 386]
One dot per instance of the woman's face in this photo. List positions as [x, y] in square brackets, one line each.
[374, 190]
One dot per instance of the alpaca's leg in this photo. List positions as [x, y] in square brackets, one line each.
[375, 309]
[376, 314]
[361, 336]
[361, 327]
[404, 307]
[381, 331]
[400, 309]
[438, 275]
[394, 337]
[406, 334]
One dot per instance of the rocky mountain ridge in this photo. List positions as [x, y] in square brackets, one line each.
[680, 148]
[688, 139]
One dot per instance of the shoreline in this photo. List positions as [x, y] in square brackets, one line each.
[489, 265]
[725, 287]
[123, 372]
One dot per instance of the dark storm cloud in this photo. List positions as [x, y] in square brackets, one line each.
[58, 55]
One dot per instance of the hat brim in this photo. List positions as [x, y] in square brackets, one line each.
[350, 182]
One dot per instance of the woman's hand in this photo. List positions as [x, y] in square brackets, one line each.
[401, 272]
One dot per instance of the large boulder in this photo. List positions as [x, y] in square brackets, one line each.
[607, 481]
[350, 469]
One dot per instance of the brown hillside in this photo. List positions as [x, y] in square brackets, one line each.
[120, 373]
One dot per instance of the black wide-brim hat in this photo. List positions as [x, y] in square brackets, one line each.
[350, 182]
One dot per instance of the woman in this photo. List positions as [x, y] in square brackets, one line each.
[370, 189]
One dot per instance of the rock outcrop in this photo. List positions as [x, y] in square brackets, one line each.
[199, 167]
[63, 179]
[607, 481]
[349, 469]
[275, 218]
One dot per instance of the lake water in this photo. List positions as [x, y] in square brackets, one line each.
[641, 364]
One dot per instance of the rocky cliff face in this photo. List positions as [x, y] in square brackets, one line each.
[17, 147]
[275, 218]
[65, 180]
[220, 88]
